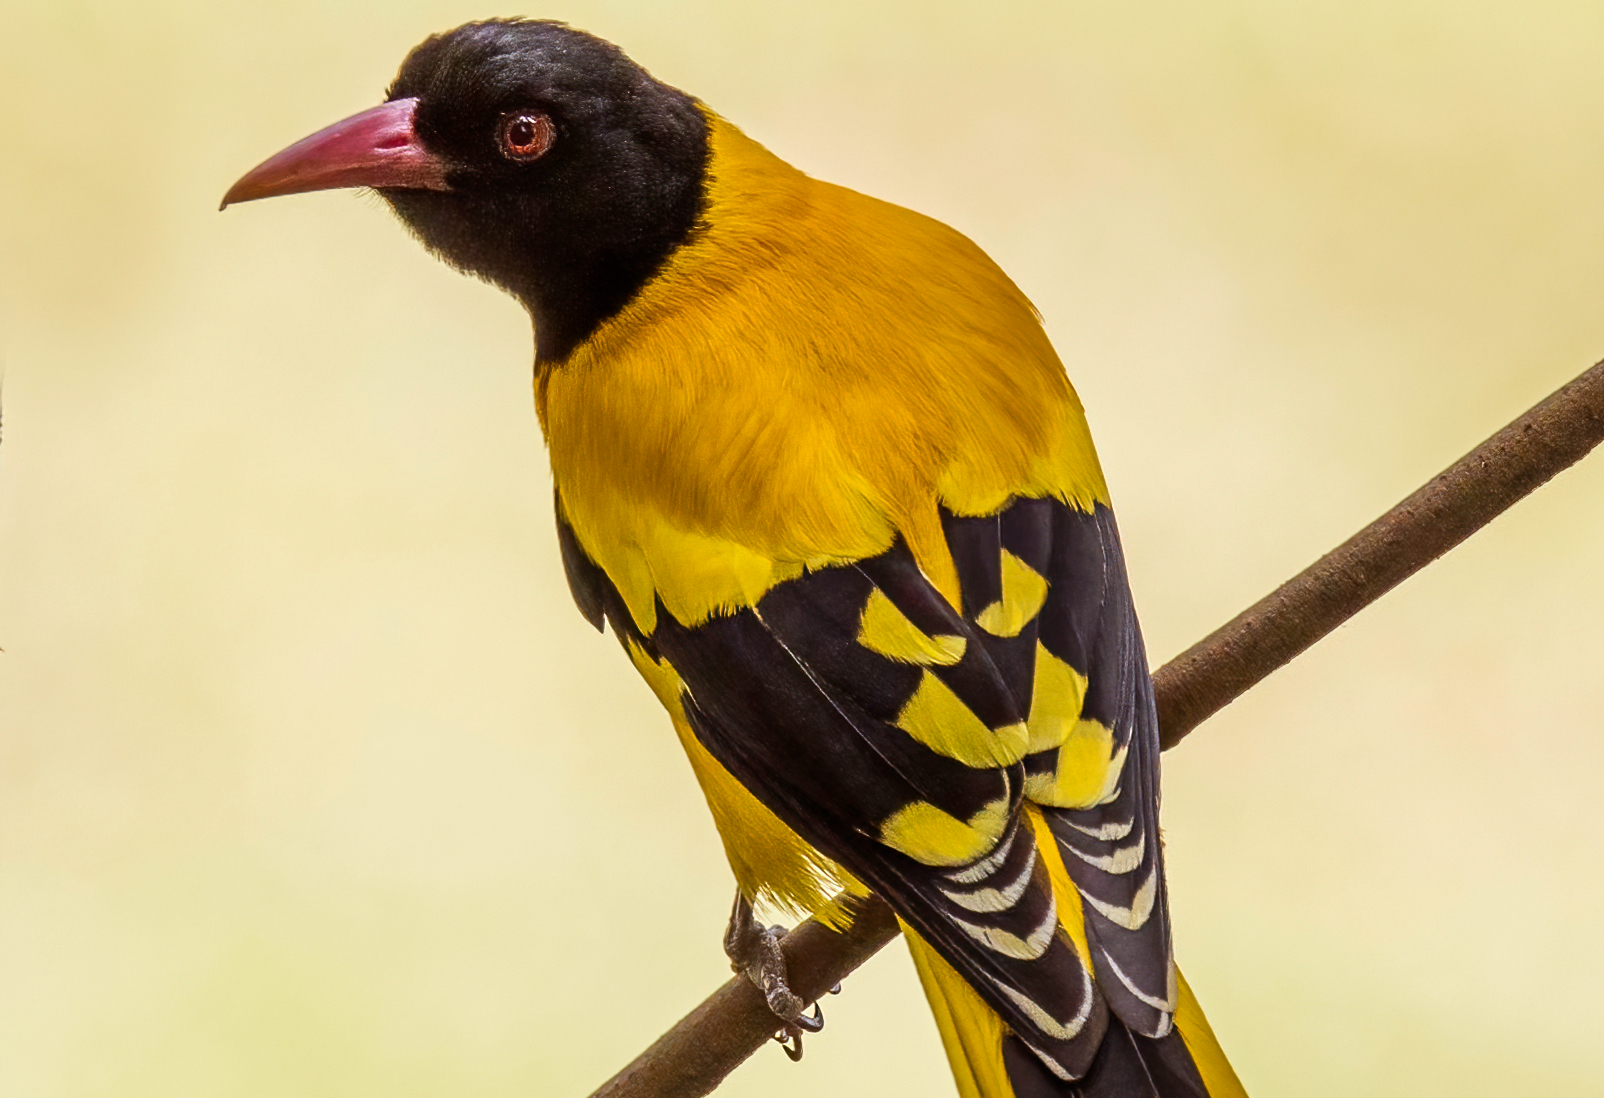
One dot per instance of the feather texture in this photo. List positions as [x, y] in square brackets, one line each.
[820, 471]
[878, 564]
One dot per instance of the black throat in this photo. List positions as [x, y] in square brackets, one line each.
[576, 234]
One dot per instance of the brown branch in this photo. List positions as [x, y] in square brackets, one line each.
[1453, 505]
[706, 1045]
[734, 1022]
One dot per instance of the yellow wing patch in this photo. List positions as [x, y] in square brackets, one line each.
[937, 718]
[1023, 592]
[887, 630]
[1055, 702]
[931, 836]
[1088, 770]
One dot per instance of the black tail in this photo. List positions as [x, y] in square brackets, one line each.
[1127, 1065]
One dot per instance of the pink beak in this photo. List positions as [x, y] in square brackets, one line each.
[377, 148]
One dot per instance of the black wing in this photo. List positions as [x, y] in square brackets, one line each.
[890, 730]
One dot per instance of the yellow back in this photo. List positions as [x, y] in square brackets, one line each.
[800, 432]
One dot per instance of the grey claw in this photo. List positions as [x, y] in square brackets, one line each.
[791, 1041]
[812, 1023]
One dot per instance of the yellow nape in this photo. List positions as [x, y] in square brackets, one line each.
[743, 417]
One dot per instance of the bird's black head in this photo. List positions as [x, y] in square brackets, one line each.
[574, 173]
[528, 153]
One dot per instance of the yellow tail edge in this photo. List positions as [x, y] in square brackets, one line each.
[972, 1033]
[1198, 1036]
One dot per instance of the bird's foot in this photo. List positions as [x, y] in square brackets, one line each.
[754, 952]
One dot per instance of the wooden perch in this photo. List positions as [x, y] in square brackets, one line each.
[693, 1057]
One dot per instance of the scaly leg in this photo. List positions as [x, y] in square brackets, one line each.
[754, 951]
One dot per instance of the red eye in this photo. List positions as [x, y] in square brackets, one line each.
[525, 135]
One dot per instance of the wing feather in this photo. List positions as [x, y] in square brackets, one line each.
[901, 736]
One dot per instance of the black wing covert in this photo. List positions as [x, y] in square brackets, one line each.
[890, 730]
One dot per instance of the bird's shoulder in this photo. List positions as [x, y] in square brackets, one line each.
[811, 374]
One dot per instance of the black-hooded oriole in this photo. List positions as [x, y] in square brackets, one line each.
[821, 472]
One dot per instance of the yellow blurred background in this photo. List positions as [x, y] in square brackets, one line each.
[313, 782]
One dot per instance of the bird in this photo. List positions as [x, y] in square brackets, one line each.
[820, 471]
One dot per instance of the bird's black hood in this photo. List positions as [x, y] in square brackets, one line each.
[533, 155]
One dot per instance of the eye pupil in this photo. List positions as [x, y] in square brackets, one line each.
[526, 135]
